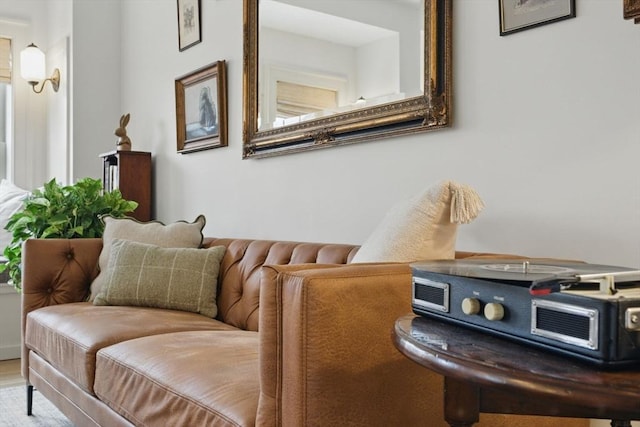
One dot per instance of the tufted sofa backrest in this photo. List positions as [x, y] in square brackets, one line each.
[239, 280]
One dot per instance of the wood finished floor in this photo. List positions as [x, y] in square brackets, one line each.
[10, 373]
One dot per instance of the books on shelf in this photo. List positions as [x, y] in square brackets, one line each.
[110, 176]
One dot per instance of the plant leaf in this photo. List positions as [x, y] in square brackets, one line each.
[57, 211]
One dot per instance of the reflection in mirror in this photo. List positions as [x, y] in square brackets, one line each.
[330, 72]
[346, 58]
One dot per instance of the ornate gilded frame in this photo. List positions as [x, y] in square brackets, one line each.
[631, 10]
[429, 111]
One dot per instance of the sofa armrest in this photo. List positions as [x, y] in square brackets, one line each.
[56, 271]
[327, 357]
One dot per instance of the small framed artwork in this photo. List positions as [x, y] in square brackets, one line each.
[201, 109]
[189, 32]
[518, 15]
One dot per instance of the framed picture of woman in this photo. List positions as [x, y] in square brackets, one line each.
[201, 109]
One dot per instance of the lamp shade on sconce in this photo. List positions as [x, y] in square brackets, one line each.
[32, 69]
[32, 65]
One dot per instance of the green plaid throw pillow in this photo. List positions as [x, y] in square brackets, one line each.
[139, 274]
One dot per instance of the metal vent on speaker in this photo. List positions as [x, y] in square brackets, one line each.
[431, 294]
[566, 323]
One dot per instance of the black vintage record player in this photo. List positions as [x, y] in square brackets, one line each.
[587, 311]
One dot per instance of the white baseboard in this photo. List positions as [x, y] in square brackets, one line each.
[9, 352]
[9, 323]
[6, 288]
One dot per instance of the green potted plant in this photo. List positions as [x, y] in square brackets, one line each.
[65, 212]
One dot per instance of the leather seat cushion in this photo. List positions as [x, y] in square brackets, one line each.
[68, 336]
[207, 378]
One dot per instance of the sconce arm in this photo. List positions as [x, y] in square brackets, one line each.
[54, 79]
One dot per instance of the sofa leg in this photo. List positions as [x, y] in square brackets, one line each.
[29, 399]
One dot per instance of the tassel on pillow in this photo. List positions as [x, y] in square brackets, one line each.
[466, 204]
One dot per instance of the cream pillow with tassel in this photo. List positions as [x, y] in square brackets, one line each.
[423, 227]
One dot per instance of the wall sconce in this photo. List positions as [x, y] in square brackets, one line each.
[32, 69]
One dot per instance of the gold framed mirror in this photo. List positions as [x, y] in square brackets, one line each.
[323, 73]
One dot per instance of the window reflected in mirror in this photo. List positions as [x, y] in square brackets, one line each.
[298, 102]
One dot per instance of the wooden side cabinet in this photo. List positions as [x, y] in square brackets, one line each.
[130, 172]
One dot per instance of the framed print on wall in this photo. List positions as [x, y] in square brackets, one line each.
[518, 15]
[201, 109]
[189, 32]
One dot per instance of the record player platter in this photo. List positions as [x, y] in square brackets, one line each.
[528, 268]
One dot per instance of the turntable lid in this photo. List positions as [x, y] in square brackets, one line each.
[513, 270]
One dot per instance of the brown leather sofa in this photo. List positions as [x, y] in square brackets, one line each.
[323, 355]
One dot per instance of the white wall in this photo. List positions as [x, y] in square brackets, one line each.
[97, 66]
[379, 68]
[546, 129]
[59, 153]
[10, 323]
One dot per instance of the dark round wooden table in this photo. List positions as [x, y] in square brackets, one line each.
[485, 373]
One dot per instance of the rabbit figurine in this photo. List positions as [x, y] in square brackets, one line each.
[124, 143]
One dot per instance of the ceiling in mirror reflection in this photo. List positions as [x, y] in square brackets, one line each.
[368, 51]
[318, 25]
